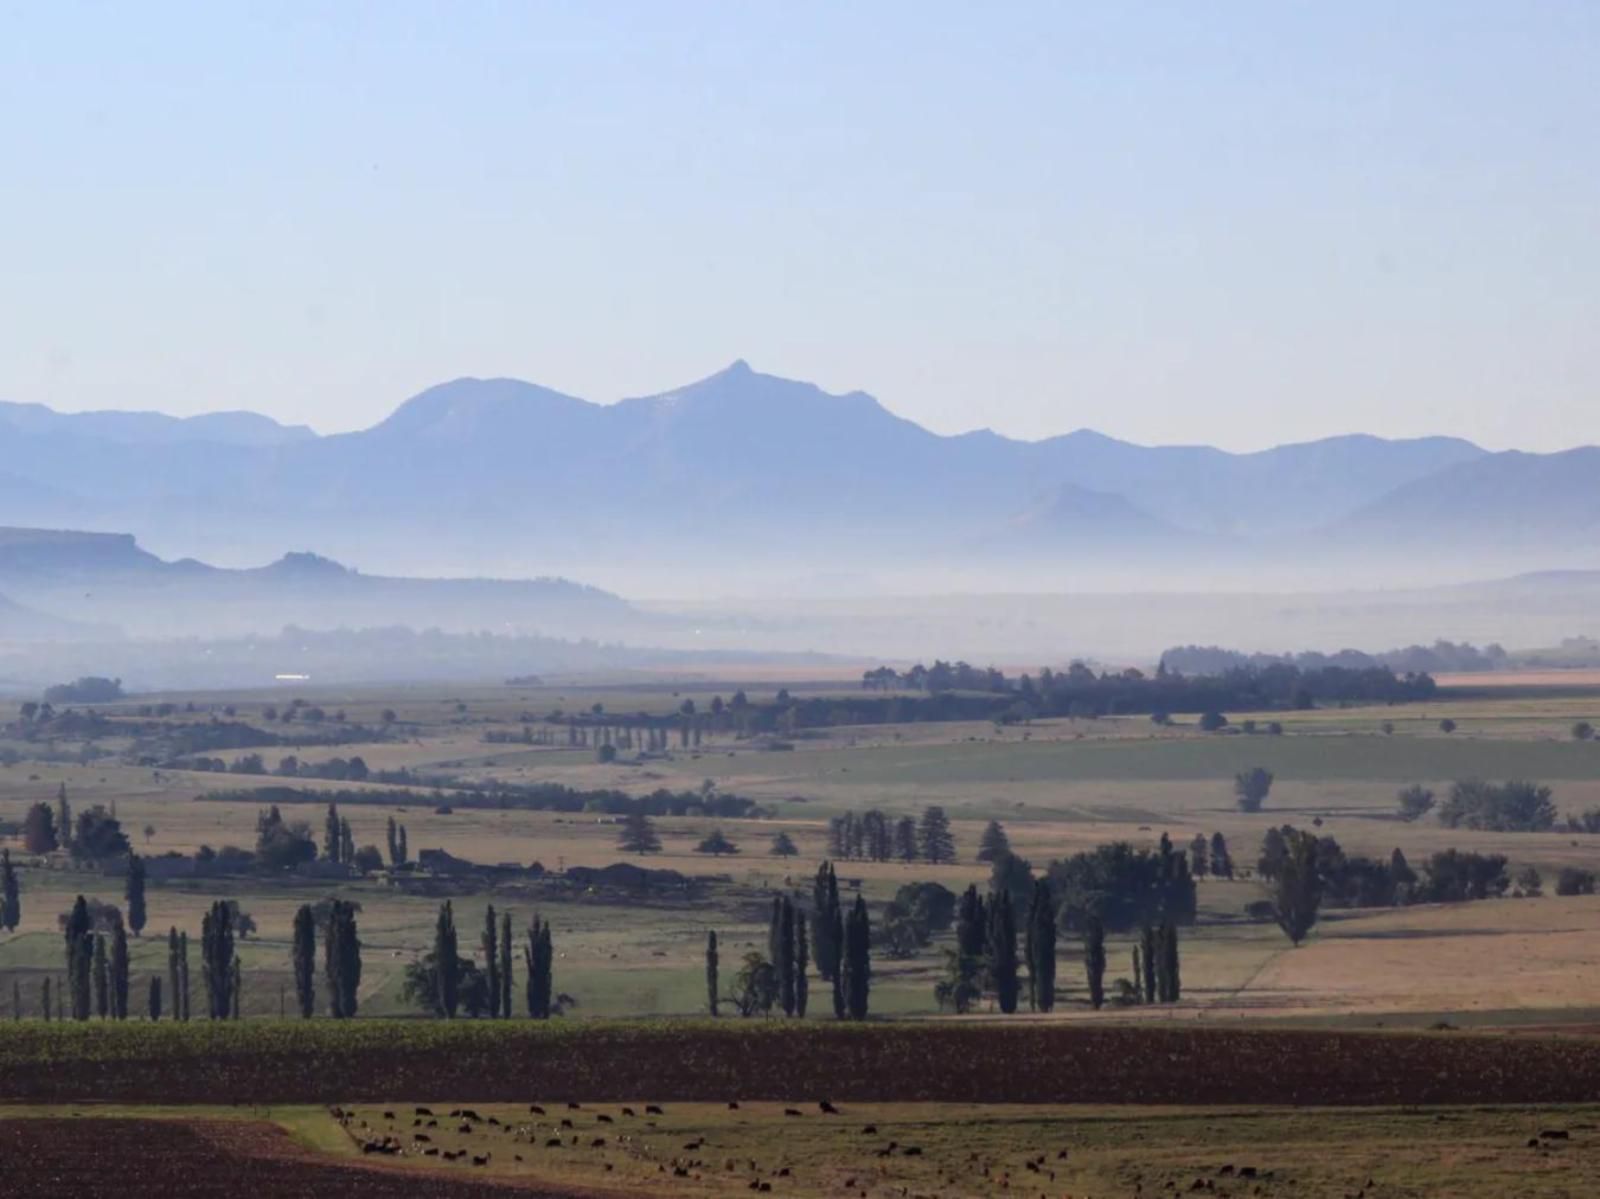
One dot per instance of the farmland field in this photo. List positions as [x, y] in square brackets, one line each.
[1427, 1006]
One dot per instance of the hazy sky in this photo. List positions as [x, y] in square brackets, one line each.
[1235, 223]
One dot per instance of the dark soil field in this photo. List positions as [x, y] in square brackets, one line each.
[977, 1062]
[124, 1158]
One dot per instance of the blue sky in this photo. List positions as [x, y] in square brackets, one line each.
[1234, 223]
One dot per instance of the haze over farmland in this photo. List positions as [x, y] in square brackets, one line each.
[892, 601]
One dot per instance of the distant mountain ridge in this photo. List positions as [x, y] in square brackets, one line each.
[107, 580]
[744, 471]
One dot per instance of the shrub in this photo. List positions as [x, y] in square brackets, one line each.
[1573, 881]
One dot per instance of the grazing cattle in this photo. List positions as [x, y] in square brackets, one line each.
[481, 1161]
[603, 1119]
[627, 1111]
[420, 1111]
[869, 1130]
[597, 1143]
[1555, 1134]
[492, 1120]
[464, 1128]
[733, 1105]
[574, 1107]
[536, 1109]
[912, 1151]
[789, 1111]
[430, 1152]
[565, 1123]
[421, 1136]
[652, 1110]
[388, 1115]
[827, 1108]
[553, 1143]
[468, 1114]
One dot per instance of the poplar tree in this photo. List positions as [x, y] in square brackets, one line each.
[1221, 860]
[235, 988]
[1171, 981]
[342, 958]
[44, 1000]
[802, 988]
[394, 843]
[712, 997]
[491, 960]
[1147, 954]
[172, 972]
[825, 909]
[10, 894]
[119, 974]
[447, 966]
[1002, 946]
[1042, 940]
[102, 979]
[63, 821]
[330, 833]
[505, 966]
[305, 960]
[539, 956]
[80, 954]
[347, 843]
[133, 892]
[153, 999]
[1094, 960]
[216, 960]
[183, 976]
[784, 959]
[838, 935]
[857, 960]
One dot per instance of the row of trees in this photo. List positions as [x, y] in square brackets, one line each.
[840, 942]
[443, 983]
[873, 837]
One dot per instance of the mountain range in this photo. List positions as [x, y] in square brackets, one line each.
[744, 474]
[59, 585]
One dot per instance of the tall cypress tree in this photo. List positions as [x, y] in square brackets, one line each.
[133, 892]
[330, 833]
[838, 936]
[394, 843]
[63, 821]
[10, 894]
[539, 956]
[305, 960]
[119, 974]
[44, 1000]
[347, 842]
[825, 913]
[1042, 940]
[172, 971]
[857, 960]
[102, 979]
[447, 966]
[783, 960]
[1094, 960]
[972, 934]
[491, 960]
[80, 955]
[216, 960]
[153, 999]
[235, 988]
[183, 976]
[712, 997]
[802, 988]
[1172, 985]
[505, 966]
[401, 842]
[1003, 951]
[342, 959]
[1147, 954]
